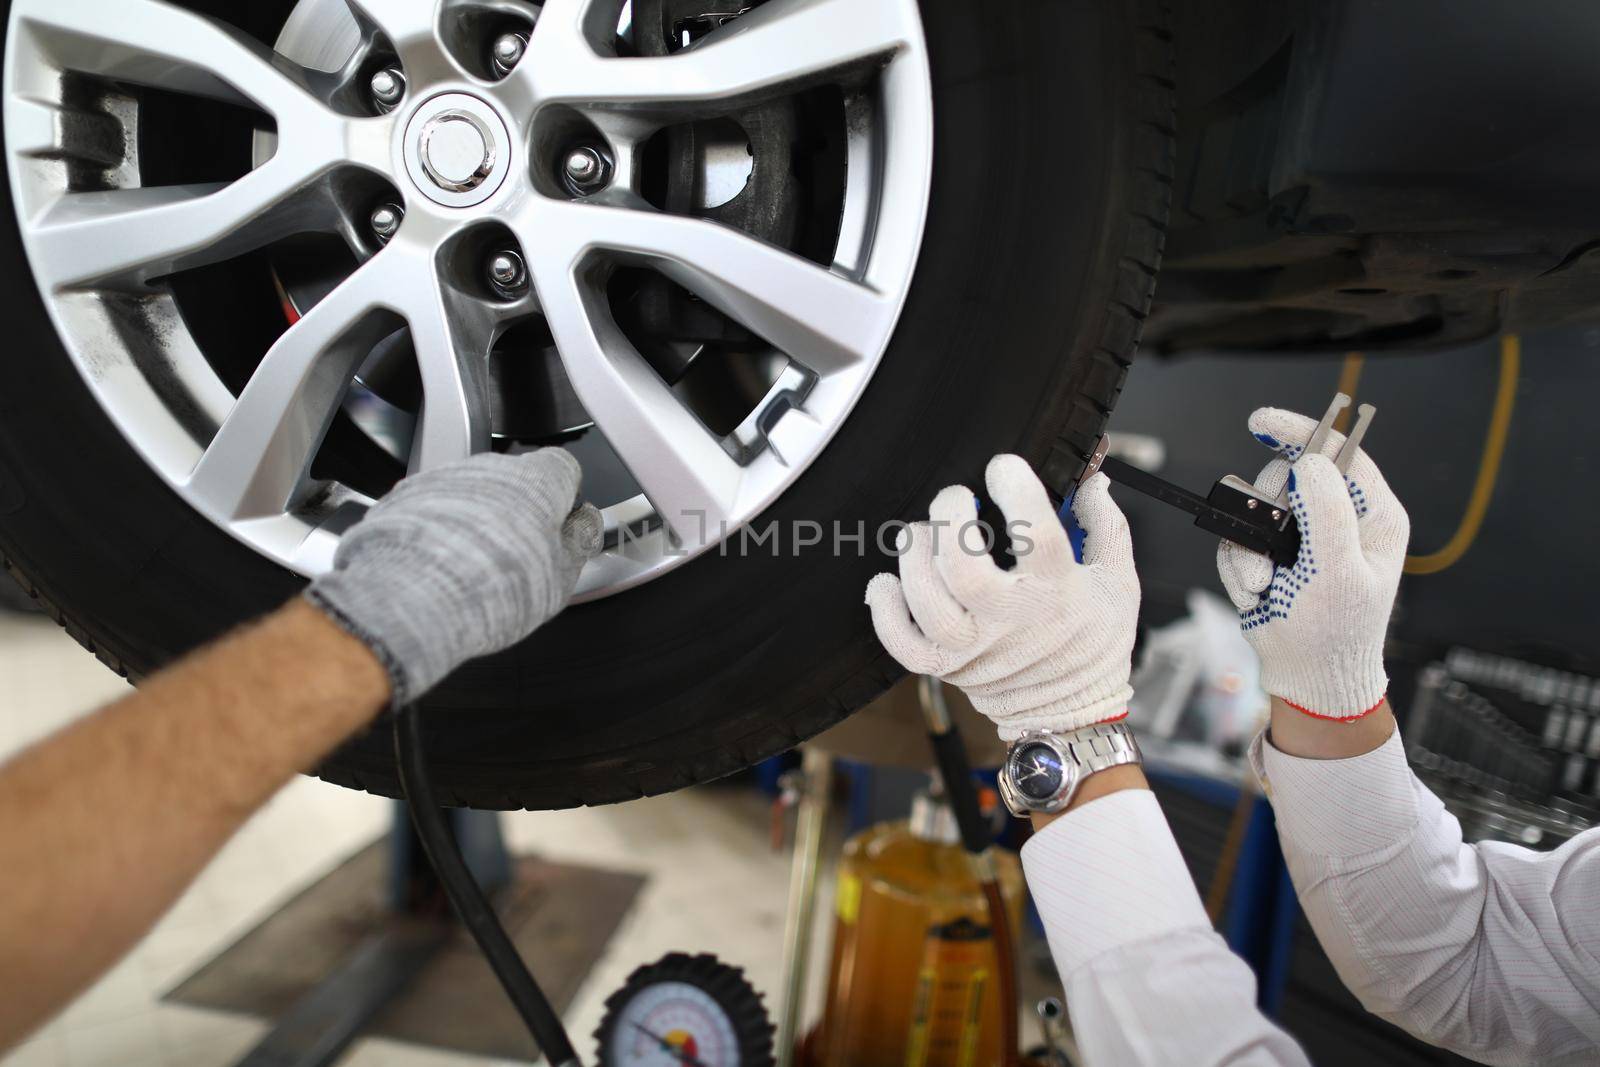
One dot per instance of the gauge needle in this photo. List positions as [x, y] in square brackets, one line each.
[681, 1055]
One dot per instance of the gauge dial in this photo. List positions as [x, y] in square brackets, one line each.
[686, 1011]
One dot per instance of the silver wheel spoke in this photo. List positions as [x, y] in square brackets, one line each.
[820, 319]
[412, 27]
[777, 47]
[126, 236]
[32, 127]
[149, 42]
[452, 346]
[257, 464]
[681, 468]
[123, 237]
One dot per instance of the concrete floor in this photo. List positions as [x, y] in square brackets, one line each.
[714, 886]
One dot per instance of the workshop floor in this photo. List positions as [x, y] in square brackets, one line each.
[714, 885]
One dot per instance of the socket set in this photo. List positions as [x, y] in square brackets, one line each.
[1512, 747]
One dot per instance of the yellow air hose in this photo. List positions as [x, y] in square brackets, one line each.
[1494, 447]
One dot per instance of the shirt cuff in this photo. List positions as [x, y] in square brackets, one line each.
[1109, 874]
[1339, 807]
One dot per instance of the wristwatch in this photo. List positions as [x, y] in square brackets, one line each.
[1043, 770]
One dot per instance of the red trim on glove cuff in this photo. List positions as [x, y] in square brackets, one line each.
[1337, 718]
[1114, 718]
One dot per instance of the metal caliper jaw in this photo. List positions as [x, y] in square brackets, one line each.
[1236, 510]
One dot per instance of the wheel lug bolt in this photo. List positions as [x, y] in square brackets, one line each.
[587, 170]
[509, 48]
[386, 220]
[388, 88]
[508, 274]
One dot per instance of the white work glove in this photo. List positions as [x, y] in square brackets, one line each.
[1319, 625]
[1046, 646]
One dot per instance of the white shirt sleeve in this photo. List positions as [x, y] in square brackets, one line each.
[1147, 981]
[1491, 951]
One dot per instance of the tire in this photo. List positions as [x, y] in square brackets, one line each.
[1051, 187]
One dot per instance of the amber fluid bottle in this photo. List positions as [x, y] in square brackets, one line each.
[912, 981]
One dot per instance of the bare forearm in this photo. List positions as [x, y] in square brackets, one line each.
[1297, 734]
[103, 825]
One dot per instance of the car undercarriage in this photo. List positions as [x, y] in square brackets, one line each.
[1360, 176]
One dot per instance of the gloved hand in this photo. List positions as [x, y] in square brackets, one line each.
[1319, 626]
[459, 562]
[1046, 646]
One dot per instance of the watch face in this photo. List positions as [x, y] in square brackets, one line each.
[1037, 771]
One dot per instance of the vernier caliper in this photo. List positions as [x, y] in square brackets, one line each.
[1236, 510]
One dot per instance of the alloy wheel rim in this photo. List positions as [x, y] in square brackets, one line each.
[100, 253]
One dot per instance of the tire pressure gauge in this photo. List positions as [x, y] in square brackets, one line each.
[686, 1011]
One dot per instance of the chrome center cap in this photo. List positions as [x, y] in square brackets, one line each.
[458, 150]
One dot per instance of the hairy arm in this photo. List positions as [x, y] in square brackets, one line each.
[103, 825]
[140, 795]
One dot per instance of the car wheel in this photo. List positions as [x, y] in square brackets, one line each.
[775, 272]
